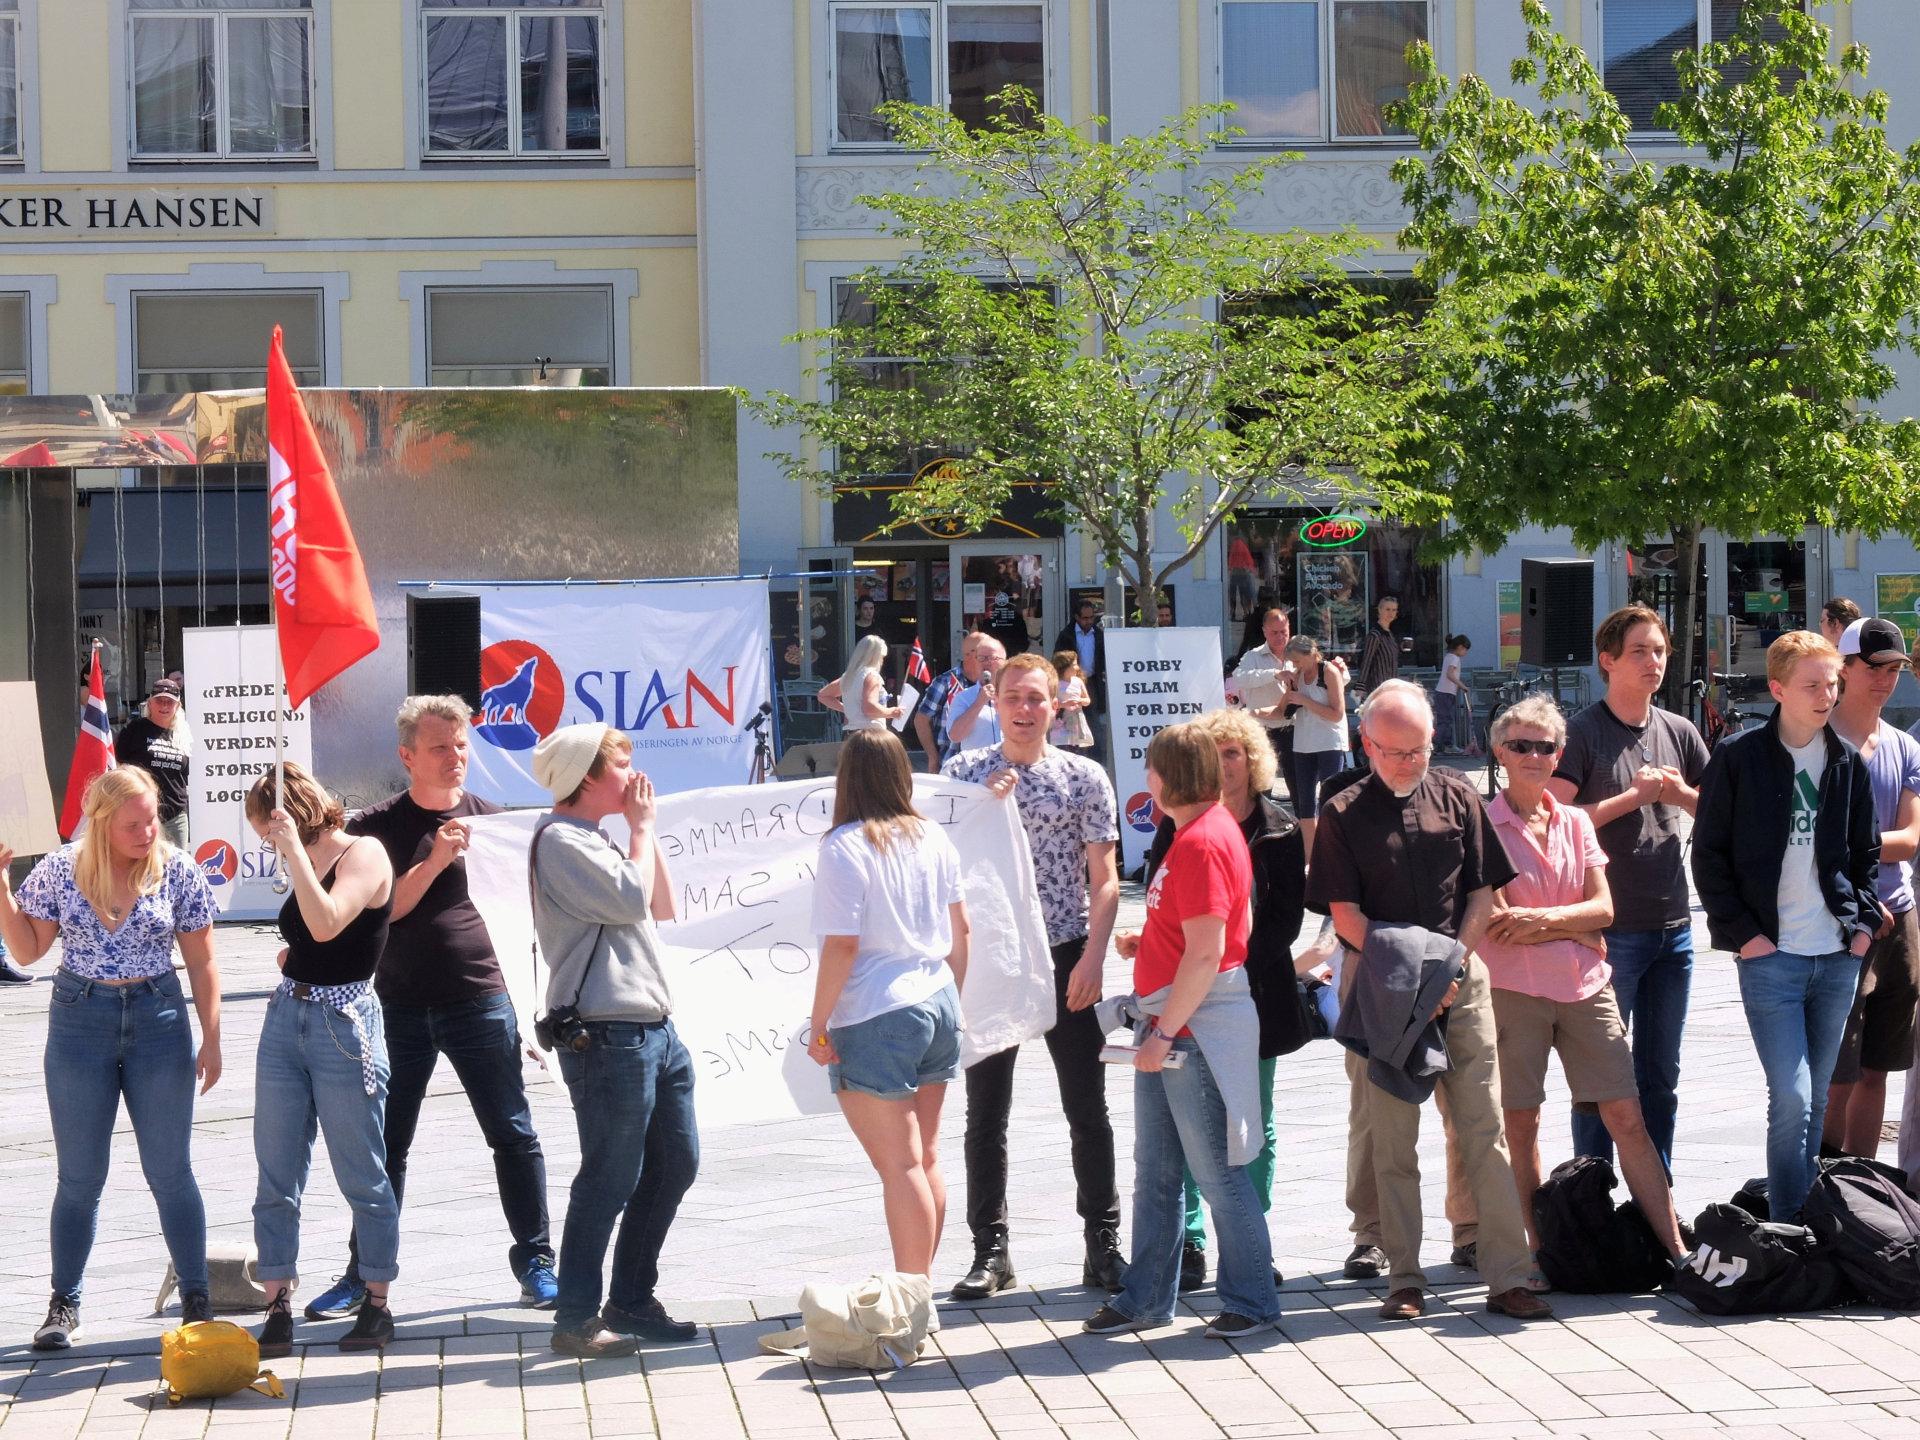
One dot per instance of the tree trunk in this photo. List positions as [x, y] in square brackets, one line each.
[1146, 592]
[1686, 612]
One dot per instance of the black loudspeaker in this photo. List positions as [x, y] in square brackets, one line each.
[443, 646]
[1556, 612]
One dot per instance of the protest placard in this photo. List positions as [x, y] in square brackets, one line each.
[27, 825]
[1155, 678]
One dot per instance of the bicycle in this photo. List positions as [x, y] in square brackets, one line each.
[1718, 723]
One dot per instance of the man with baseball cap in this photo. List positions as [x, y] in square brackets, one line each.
[158, 743]
[1879, 1033]
[606, 1015]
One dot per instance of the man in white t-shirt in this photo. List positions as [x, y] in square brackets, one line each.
[1793, 895]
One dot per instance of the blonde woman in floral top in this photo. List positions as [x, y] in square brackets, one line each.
[118, 901]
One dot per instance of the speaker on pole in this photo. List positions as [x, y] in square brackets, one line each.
[443, 646]
[1556, 612]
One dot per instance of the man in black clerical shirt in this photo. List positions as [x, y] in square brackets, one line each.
[442, 992]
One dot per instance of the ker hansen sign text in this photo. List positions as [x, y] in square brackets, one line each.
[125, 213]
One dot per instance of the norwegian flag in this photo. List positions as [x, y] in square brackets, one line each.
[917, 671]
[92, 751]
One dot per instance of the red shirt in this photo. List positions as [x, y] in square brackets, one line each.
[1207, 872]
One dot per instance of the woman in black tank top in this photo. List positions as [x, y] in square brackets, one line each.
[323, 1054]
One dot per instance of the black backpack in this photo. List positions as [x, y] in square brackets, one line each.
[1588, 1245]
[1743, 1266]
[1864, 1214]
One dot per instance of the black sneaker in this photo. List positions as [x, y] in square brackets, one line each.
[649, 1322]
[61, 1327]
[1229, 1326]
[1365, 1263]
[591, 1340]
[1466, 1256]
[195, 1308]
[276, 1336]
[339, 1299]
[1193, 1267]
[1109, 1321]
[373, 1330]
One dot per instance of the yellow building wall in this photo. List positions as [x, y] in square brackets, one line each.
[75, 116]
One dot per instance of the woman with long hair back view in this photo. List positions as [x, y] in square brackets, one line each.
[118, 900]
[892, 924]
[322, 1061]
[861, 694]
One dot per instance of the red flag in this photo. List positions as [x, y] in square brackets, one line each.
[321, 602]
[917, 670]
[92, 751]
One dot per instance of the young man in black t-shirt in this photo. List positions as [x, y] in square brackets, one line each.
[157, 743]
[442, 992]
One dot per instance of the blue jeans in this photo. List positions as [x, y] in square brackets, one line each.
[1796, 1008]
[1446, 721]
[1259, 1169]
[105, 1042]
[308, 1076]
[482, 1040]
[1178, 1116]
[632, 1093]
[1652, 977]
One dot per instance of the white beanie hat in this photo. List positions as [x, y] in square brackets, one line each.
[561, 761]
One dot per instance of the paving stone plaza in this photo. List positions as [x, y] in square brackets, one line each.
[779, 1204]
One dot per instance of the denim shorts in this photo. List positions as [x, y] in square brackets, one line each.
[894, 1054]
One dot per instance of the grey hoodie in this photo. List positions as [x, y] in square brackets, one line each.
[591, 914]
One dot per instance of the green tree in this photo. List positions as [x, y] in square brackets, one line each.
[1058, 312]
[1648, 346]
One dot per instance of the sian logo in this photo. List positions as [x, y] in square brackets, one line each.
[521, 695]
[218, 861]
[524, 697]
[1142, 814]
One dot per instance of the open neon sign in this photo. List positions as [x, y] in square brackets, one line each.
[1330, 532]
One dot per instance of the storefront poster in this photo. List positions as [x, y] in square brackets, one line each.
[741, 956]
[1333, 599]
[1509, 624]
[27, 820]
[1897, 598]
[233, 695]
[1155, 678]
[680, 667]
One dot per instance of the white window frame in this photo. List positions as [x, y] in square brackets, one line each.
[942, 94]
[1703, 35]
[17, 158]
[1329, 83]
[513, 154]
[223, 152]
[335, 289]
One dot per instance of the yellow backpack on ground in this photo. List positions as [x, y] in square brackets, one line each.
[210, 1359]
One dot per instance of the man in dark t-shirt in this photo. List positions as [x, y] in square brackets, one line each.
[1635, 768]
[157, 743]
[442, 992]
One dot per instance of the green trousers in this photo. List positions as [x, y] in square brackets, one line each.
[1259, 1169]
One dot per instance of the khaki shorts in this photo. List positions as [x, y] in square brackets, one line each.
[1879, 1033]
[1589, 1035]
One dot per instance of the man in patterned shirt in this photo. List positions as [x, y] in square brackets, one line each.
[1067, 809]
[929, 716]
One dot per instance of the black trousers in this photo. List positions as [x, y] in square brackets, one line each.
[1074, 1042]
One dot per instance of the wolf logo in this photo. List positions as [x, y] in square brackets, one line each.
[1141, 813]
[503, 710]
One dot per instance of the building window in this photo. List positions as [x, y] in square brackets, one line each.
[222, 79]
[15, 372]
[931, 54]
[1317, 69]
[187, 340]
[542, 335]
[1640, 38]
[514, 78]
[9, 81]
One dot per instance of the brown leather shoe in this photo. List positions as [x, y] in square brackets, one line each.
[1519, 1303]
[1404, 1304]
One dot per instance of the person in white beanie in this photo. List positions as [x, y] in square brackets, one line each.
[607, 1016]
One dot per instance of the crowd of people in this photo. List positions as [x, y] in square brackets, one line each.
[1464, 941]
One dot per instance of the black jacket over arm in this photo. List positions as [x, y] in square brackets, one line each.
[1279, 858]
[1740, 837]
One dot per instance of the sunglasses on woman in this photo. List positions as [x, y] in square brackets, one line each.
[1530, 747]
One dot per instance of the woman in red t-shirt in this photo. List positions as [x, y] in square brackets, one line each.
[1203, 1111]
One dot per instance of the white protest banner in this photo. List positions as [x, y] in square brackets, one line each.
[680, 666]
[1154, 678]
[232, 692]
[741, 958]
[28, 825]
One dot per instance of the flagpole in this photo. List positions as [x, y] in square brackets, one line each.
[281, 882]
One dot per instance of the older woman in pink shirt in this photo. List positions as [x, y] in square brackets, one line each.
[1549, 969]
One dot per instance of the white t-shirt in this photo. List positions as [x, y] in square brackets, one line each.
[1807, 927]
[1449, 681]
[854, 707]
[896, 900]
